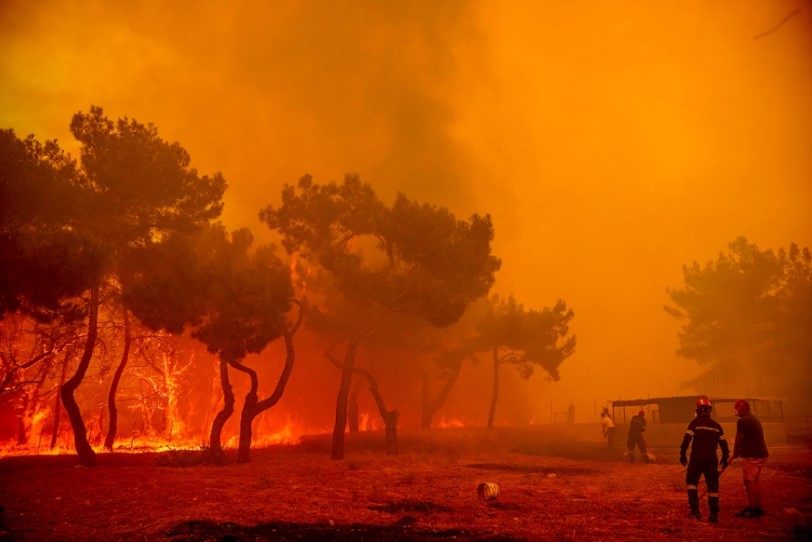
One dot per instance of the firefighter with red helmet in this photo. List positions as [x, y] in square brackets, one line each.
[704, 435]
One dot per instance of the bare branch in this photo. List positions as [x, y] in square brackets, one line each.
[779, 25]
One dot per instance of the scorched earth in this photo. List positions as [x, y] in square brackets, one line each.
[551, 489]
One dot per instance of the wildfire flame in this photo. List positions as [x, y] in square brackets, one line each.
[367, 422]
[137, 442]
[445, 423]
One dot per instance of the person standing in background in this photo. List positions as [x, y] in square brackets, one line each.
[608, 428]
[635, 439]
[750, 446]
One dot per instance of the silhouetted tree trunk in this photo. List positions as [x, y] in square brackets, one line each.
[390, 417]
[57, 409]
[111, 397]
[346, 381]
[391, 421]
[222, 417]
[253, 407]
[247, 414]
[340, 426]
[430, 408]
[495, 393]
[352, 410]
[87, 456]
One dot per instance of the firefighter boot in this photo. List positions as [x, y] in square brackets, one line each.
[693, 502]
[713, 504]
[631, 457]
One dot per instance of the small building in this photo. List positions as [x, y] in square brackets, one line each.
[668, 417]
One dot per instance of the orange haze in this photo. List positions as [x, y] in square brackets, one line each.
[612, 142]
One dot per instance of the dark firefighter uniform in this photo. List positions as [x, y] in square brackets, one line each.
[706, 434]
[637, 427]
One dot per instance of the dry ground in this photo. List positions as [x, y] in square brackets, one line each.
[552, 489]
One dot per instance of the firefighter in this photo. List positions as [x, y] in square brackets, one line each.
[635, 438]
[703, 435]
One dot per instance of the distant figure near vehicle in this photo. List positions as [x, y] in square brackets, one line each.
[608, 428]
[750, 446]
[636, 428]
[704, 435]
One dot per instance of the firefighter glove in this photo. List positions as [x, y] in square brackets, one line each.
[723, 462]
[683, 460]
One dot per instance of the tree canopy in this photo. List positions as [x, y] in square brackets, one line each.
[527, 338]
[143, 186]
[234, 298]
[410, 258]
[524, 338]
[46, 257]
[66, 230]
[746, 318]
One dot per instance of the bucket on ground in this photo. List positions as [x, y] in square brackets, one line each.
[488, 490]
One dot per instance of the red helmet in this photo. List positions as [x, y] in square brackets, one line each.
[703, 406]
[741, 407]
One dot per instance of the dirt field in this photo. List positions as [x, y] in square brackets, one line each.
[551, 489]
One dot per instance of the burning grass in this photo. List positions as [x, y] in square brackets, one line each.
[428, 492]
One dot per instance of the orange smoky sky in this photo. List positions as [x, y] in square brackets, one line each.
[611, 142]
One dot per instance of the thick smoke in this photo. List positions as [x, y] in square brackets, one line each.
[612, 144]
